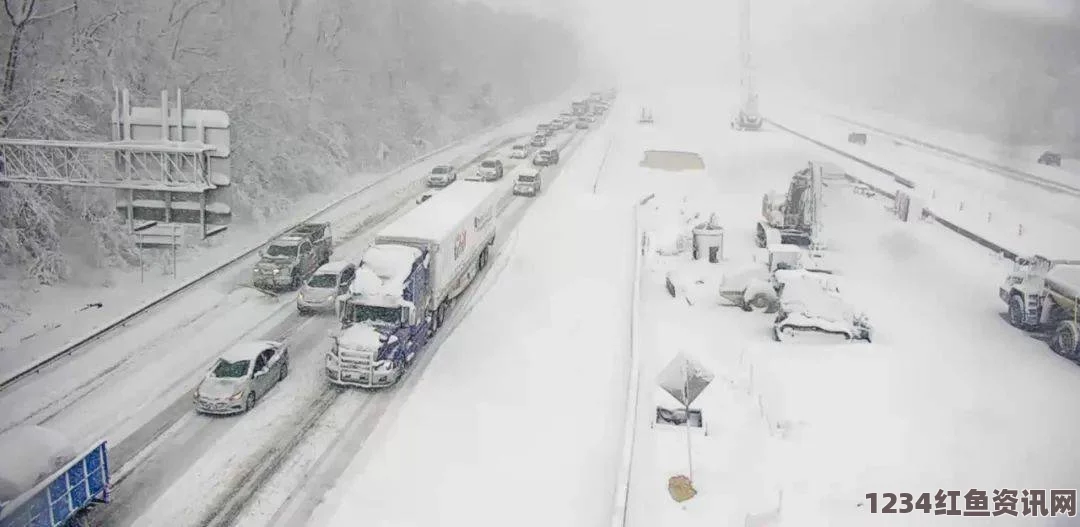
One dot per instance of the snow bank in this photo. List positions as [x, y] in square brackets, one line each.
[30, 454]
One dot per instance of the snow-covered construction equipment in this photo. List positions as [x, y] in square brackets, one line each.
[793, 218]
[811, 308]
[1044, 294]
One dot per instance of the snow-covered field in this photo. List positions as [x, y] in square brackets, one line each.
[948, 396]
[518, 416]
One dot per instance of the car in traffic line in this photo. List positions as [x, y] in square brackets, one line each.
[582, 124]
[489, 170]
[441, 176]
[519, 152]
[539, 140]
[528, 182]
[545, 157]
[320, 292]
[242, 376]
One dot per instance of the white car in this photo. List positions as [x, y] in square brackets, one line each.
[320, 292]
[528, 183]
[489, 170]
[242, 376]
[519, 152]
[441, 176]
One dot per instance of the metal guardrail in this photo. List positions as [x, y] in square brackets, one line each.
[620, 508]
[1002, 170]
[125, 319]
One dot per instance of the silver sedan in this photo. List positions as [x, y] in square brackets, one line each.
[242, 376]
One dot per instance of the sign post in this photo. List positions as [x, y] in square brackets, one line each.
[685, 379]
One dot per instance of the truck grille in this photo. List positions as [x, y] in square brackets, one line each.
[357, 359]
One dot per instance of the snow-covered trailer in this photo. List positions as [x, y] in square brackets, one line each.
[407, 281]
[457, 229]
[44, 483]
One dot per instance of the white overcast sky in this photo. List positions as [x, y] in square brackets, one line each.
[630, 33]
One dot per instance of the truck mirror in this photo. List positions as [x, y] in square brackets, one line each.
[405, 315]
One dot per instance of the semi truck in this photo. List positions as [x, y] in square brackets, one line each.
[408, 280]
[1044, 295]
[44, 482]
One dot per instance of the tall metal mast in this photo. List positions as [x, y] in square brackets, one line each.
[749, 118]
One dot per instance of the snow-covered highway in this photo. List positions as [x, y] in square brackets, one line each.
[191, 469]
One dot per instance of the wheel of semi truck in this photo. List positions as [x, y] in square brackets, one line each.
[483, 258]
[1066, 339]
[1016, 311]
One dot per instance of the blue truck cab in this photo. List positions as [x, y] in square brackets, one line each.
[382, 331]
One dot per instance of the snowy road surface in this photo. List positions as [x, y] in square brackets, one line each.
[518, 416]
[204, 470]
[948, 396]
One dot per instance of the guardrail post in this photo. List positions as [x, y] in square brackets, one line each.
[961, 205]
[989, 216]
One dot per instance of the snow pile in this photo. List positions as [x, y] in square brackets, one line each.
[30, 454]
[807, 303]
[360, 336]
[383, 270]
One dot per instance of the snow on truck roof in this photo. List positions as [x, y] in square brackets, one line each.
[384, 270]
[437, 217]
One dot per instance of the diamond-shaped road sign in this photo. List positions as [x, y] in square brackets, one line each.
[684, 378]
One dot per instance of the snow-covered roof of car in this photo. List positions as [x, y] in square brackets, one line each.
[247, 350]
[435, 219]
[528, 171]
[288, 240]
[521, 147]
[334, 267]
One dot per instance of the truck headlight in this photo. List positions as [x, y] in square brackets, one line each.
[385, 366]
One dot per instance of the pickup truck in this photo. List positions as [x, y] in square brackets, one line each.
[408, 281]
[290, 259]
[43, 482]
